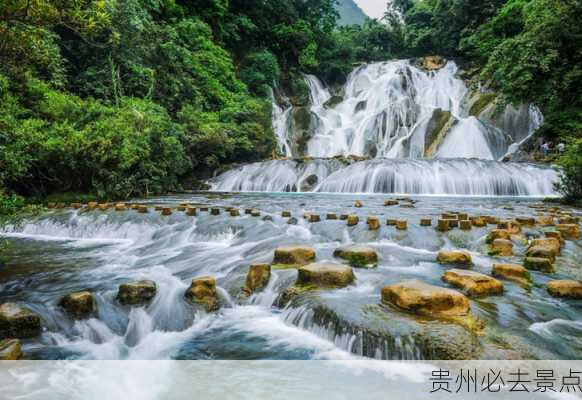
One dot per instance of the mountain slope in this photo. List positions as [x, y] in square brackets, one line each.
[350, 13]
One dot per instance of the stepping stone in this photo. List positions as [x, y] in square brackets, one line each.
[373, 223]
[202, 291]
[286, 214]
[257, 278]
[325, 275]
[391, 203]
[10, 350]
[465, 225]
[569, 231]
[473, 283]
[353, 220]
[539, 264]
[565, 288]
[18, 322]
[512, 272]
[137, 293]
[331, 216]
[501, 247]
[478, 222]
[425, 222]
[358, 204]
[498, 234]
[421, 298]
[357, 256]
[402, 225]
[79, 305]
[294, 256]
[454, 257]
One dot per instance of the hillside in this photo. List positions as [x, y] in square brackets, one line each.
[350, 13]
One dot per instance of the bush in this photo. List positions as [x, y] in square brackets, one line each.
[570, 184]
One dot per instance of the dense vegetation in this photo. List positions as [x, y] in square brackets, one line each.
[134, 97]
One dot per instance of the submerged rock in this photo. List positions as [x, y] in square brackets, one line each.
[512, 272]
[358, 256]
[424, 299]
[10, 349]
[539, 264]
[286, 214]
[292, 221]
[202, 291]
[257, 278]
[473, 283]
[136, 293]
[325, 275]
[79, 305]
[391, 202]
[565, 288]
[294, 256]
[18, 322]
[454, 257]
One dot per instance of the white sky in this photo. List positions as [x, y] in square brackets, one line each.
[374, 8]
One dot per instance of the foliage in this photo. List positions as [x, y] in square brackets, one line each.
[570, 184]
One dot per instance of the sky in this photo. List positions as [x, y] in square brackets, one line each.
[374, 8]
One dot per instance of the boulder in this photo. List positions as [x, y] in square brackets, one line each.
[120, 207]
[92, 205]
[552, 244]
[76, 206]
[539, 264]
[10, 350]
[443, 225]
[104, 206]
[358, 256]
[142, 209]
[358, 204]
[373, 223]
[18, 322]
[473, 283]
[465, 225]
[353, 220]
[215, 211]
[449, 216]
[331, 216]
[136, 293]
[569, 231]
[402, 224]
[79, 305]
[202, 291]
[294, 256]
[344, 217]
[424, 299]
[545, 220]
[454, 257]
[425, 222]
[431, 63]
[478, 222]
[286, 214]
[313, 218]
[453, 223]
[511, 226]
[569, 220]
[234, 212]
[267, 218]
[255, 212]
[166, 211]
[541, 252]
[462, 216]
[391, 221]
[292, 221]
[491, 220]
[391, 202]
[512, 272]
[501, 247]
[248, 211]
[526, 221]
[566, 288]
[325, 275]
[555, 235]
[498, 234]
[257, 278]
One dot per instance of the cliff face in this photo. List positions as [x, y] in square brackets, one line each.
[350, 13]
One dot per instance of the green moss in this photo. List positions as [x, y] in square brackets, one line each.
[482, 102]
[439, 120]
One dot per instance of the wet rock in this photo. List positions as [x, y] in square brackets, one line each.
[202, 291]
[512, 272]
[553, 245]
[361, 105]
[353, 220]
[473, 283]
[120, 207]
[331, 216]
[92, 205]
[309, 183]
[104, 206]
[569, 220]
[391, 202]
[443, 225]
[425, 222]
[181, 208]
[142, 209]
[358, 204]
[569, 231]
[203, 209]
[541, 252]
[255, 213]
[497, 234]
[136, 293]
[462, 216]
[257, 278]
[526, 221]
[313, 217]
[292, 221]
[76, 206]
[545, 220]
[267, 218]
[407, 206]
[431, 63]
[511, 226]
[325, 275]
[373, 223]
[344, 217]
[294, 255]
[539, 264]
[158, 208]
[333, 101]
[465, 225]
[193, 211]
[478, 222]
[449, 216]
[453, 223]
[10, 350]
[424, 299]
[555, 235]
[454, 257]
[565, 288]
[491, 220]
[215, 211]
[18, 322]
[358, 256]
[79, 305]
[501, 247]
[402, 224]
[391, 221]
[286, 214]
[166, 211]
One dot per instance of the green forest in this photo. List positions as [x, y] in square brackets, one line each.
[121, 98]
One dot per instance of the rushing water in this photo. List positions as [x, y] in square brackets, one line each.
[68, 250]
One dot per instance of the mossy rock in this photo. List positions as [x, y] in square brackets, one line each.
[481, 103]
[358, 256]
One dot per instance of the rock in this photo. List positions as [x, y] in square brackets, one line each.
[526, 221]
[565, 288]
[79, 305]
[391, 221]
[443, 225]
[309, 183]
[512, 272]
[501, 247]
[158, 208]
[552, 244]
[431, 63]
[424, 299]
[373, 223]
[391, 202]
[10, 350]
[453, 223]
[454, 257]
[166, 211]
[344, 217]
[358, 204]
[202, 291]
[361, 105]
[465, 225]
[294, 255]
[541, 252]
[539, 264]
[142, 209]
[120, 207]
[545, 220]
[234, 212]
[215, 211]
[402, 225]
[286, 214]
[76, 206]
[92, 205]
[358, 256]
[498, 234]
[104, 206]
[255, 213]
[511, 226]
[449, 216]
[191, 211]
[462, 216]
[18, 322]
[491, 220]
[569, 220]
[407, 206]
[331, 216]
[333, 101]
[292, 221]
[203, 209]
[569, 231]
[257, 278]
[248, 211]
[181, 208]
[353, 220]
[313, 218]
[136, 293]
[474, 283]
[267, 218]
[478, 222]
[425, 222]
[554, 234]
[325, 275]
